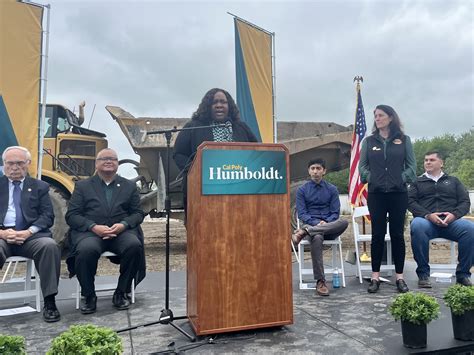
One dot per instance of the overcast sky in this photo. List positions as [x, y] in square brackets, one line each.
[158, 58]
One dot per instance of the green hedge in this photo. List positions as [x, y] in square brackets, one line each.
[87, 339]
[10, 344]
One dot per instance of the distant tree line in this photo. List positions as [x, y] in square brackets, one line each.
[457, 150]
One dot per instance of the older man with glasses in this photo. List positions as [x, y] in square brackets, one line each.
[104, 215]
[26, 214]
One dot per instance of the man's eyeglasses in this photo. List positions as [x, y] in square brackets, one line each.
[20, 163]
[107, 159]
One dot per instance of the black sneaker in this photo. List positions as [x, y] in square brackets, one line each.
[374, 286]
[402, 286]
[424, 282]
[465, 281]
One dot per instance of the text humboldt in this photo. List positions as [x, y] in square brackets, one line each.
[244, 174]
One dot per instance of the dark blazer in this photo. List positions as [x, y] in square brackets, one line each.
[187, 141]
[88, 205]
[35, 204]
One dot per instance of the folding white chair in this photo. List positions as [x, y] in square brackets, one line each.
[306, 268]
[106, 288]
[28, 291]
[451, 267]
[360, 212]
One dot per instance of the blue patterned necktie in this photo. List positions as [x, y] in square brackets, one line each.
[19, 220]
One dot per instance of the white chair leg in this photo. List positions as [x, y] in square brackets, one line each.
[27, 278]
[37, 287]
[6, 271]
[14, 270]
[342, 265]
[453, 253]
[294, 252]
[133, 291]
[389, 256]
[359, 271]
[78, 293]
[300, 262]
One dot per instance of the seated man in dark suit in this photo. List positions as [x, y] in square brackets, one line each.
[104, 215]
[26, 214]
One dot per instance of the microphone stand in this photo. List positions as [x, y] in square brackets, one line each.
[166, 316]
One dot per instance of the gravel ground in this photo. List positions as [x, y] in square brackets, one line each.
[155, 231]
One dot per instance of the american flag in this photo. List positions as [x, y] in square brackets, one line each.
[357, 190]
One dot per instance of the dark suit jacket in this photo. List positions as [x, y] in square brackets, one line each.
[88, 205]
[35, 204]
[187, 141]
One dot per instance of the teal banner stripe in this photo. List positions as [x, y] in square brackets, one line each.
[7, 134]
[244, 97]
[243, 172]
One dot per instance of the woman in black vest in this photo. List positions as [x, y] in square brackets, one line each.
[387, 164]
[217, 107]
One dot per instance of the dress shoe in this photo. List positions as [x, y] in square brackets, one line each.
[374, 286]
[321, 288]
[50, 312]
[298, 236]
[402, 286]
[120, 301]
[465, 281]
[89, 305]
[424, 282]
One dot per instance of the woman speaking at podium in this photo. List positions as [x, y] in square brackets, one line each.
[220, 114]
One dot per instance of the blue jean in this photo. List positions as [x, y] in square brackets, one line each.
[460, 231]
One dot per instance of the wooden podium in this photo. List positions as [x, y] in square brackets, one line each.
[239, 271]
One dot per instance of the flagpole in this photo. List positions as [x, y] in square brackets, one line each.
[275, 133]
[44, 84]
[364, 257]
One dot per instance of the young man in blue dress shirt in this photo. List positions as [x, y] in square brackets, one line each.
[318, 206]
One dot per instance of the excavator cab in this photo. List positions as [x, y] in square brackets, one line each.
[57, 120]
[69, 150]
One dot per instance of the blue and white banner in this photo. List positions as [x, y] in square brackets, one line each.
[243, 172]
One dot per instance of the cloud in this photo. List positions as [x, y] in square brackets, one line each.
[158, 58]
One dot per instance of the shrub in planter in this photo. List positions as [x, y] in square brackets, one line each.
[10, 344]
[414, 310]
[86, 339]
[461, 301]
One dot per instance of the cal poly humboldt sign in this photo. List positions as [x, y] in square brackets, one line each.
[243, 172]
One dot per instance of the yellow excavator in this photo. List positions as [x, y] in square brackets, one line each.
[69, 152]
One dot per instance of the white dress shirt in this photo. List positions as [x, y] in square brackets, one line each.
[10, 216]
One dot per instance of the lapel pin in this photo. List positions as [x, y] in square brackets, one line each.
[118, 185]
[29, 190]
